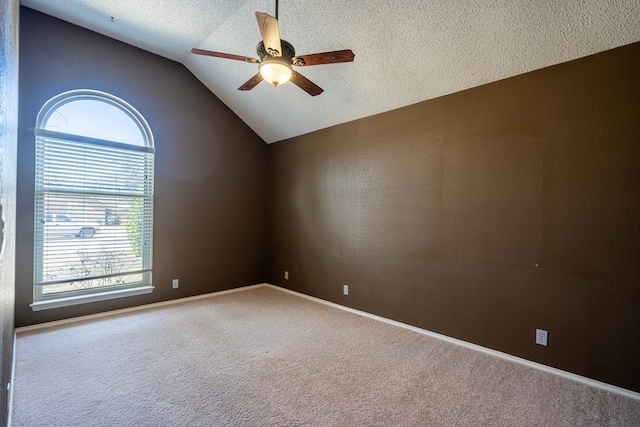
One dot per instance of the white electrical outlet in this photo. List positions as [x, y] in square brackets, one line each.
[175, 283]
[345, 289]
[286, 275]
[541, 337]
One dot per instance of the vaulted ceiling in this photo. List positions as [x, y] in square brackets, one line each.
[406, 51]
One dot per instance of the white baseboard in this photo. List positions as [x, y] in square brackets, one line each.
[575, 377]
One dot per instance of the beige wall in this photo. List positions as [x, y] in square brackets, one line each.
[482, 215]
[209, 213]
[8, 174]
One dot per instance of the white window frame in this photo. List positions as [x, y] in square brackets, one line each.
[42, 300]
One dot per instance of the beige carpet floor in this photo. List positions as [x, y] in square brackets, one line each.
[264, 357]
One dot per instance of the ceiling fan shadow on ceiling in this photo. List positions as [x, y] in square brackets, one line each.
[276, 58]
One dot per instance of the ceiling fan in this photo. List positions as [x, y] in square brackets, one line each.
[277, 57]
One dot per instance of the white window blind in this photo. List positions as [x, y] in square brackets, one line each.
[93, 215]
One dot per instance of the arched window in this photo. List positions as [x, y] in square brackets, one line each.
[93, 200]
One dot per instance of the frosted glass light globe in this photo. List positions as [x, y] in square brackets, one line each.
[275, 71]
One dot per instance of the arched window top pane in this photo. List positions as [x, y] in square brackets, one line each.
[95, 115]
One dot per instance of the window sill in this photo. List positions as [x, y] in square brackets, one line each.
[83, 299]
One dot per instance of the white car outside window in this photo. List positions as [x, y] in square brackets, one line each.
[64, 226]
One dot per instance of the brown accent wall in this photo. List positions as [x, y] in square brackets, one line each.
[209, 222]
[8, 153]
[481, 215]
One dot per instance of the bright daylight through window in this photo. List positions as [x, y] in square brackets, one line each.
[93, 200]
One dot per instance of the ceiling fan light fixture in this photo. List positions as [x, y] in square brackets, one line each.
[276, 57]
[275, 71]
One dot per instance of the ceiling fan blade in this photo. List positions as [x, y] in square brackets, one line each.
[224, 55]
[305, 84]
[252, 82]
[324, 58]
[270, 33]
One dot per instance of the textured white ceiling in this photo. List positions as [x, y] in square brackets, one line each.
[406, 51]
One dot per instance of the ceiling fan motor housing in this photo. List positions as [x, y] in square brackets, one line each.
[288, 51]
